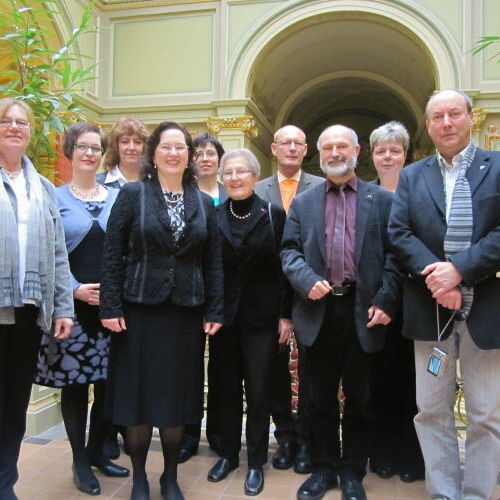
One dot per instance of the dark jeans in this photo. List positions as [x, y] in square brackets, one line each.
[336, 356]
[244, 356]
[19, 344]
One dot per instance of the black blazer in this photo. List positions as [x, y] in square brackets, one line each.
[417, 229]
[142, 263]
[303, 254]
[254, 283]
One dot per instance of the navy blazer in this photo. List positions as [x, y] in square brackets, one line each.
[303, 255]
[417, 230]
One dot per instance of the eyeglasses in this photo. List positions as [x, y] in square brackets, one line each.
[180, 148]
[7, 123]
[288, 144]
[210, 154]
[238, 174]
[83, 148]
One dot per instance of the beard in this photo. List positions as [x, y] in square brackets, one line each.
[339, 170]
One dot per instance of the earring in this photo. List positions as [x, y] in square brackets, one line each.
[154, 166]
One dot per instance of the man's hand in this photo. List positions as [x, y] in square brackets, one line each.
[441, 278]
[88, 293]
[452, 299]
[377, 317]
[285, 330]
[114, 324]
[319, 290]
[62, 328]
[211, 327]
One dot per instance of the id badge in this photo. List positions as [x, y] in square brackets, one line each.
[437, 362]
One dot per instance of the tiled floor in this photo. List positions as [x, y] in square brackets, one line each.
[45, 473]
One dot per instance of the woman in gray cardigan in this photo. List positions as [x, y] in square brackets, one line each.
[36, 289]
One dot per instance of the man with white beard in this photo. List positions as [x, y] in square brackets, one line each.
[336, 257]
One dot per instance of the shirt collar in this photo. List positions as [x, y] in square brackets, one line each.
[115, 174]
[352, 183]
[456, 160]
[295, 177]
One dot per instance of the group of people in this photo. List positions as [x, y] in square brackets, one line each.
[117, 279]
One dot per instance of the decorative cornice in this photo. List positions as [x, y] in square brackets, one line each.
[245, 123]
[479, 117]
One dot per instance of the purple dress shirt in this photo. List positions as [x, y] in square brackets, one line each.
[340, 231]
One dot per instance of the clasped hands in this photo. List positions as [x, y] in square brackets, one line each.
[375, 315]
[442, 281]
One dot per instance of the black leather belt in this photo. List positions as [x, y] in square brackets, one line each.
[343, 289]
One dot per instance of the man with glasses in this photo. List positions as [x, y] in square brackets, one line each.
[289, 148]
[335, 253]
[445, 228]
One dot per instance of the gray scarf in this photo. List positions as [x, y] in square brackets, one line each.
[35, 279]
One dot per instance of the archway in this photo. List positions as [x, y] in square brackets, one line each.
[361, 66]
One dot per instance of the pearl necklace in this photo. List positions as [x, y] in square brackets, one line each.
[85, 195]
[235, 215]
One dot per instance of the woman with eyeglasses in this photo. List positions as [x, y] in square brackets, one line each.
[82, 360]
[207, 153]
[161, 288]
[256, 306]
[35, 295]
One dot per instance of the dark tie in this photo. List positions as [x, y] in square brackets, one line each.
[337, 264]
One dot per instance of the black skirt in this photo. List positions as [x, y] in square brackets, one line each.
[154, 373]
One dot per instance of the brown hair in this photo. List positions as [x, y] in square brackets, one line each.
[75, 131]
[124, 126]
[7, 102]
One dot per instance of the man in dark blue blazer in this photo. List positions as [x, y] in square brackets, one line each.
[451, 298]
[336, 255]
[289, 148]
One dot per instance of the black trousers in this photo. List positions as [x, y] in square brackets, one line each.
[244, 356]
[394, 402]
[336, 356]
[192, 432]
[19, 344]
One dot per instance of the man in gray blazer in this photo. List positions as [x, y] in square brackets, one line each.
[336, 255]
[289, 148]
[445, 228]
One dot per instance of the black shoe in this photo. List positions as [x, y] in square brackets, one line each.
[410, 475]
[317, 485]
[111, 448]
[109, 469]
[254, 483]
[302, 462]
[140, 490]
[221, 469]
[185, 455]
[352, 489]
[86, 481]
[284, 457]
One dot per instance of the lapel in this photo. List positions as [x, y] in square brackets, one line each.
[319, 221]
[223, 222]
[364, 204]
[157, 203]
[257, 212]
[478, 170]
[273, 191]
[303, 183]
[434, 180]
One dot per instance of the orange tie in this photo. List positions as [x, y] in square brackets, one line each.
[288, 188]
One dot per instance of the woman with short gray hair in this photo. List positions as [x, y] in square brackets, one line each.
[255, 310]
[389, 145]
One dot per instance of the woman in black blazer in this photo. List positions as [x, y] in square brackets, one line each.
[161, 281]
[256, 306]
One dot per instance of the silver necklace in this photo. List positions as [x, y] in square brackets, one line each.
[85, 195]
[234, 214]
[173, 197]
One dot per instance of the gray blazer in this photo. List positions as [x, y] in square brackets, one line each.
[269, 189]
[303, 256]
